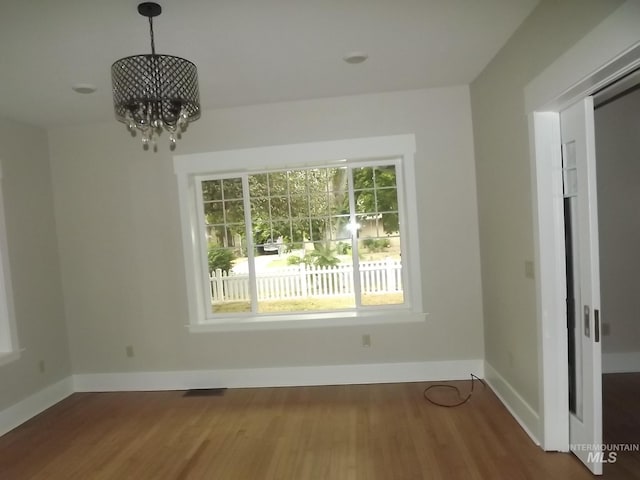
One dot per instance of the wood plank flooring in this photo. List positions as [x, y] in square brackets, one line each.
[621, 421]
[354, 432]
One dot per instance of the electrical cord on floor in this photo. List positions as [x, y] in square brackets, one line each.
[456, 389]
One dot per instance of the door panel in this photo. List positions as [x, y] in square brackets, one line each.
[583, 283]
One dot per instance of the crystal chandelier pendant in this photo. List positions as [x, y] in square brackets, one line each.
[153, 92]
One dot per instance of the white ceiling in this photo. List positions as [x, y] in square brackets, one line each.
[247, 51]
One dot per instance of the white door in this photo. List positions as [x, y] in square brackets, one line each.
[583, 283]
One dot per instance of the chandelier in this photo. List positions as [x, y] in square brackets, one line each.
[152, 92]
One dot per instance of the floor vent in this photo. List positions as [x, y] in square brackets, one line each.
[205, 392]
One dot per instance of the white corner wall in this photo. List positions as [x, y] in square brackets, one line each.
[121, 256]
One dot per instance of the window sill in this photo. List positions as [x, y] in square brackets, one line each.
[308, 320]
[8, 357]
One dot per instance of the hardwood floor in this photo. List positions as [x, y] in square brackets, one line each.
[355, 432]
[621, 422]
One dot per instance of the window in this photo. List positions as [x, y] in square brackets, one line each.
[324, 232]
[8, 336]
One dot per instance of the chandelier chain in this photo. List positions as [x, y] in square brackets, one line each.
[153, 43]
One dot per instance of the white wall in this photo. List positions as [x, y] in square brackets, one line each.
[33, 260]
[504, 187]
[122, 267]
[618, 167]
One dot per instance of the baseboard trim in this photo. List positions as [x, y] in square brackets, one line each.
[31, 406]
[624, 362]
[517, 406]
[280, 376]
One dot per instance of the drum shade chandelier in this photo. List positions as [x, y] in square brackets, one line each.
[152, 92]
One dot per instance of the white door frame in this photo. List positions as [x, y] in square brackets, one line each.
[607, 53]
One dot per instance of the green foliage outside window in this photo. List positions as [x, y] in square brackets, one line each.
[220, 258]
[376, 244]
[297, 206]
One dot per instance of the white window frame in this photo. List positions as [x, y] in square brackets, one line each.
[9, 348]
[190, 169]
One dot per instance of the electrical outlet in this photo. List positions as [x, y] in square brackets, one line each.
[129, 350]
[529, 271]
[366, 340]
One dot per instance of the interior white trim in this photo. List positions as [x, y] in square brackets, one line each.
[9, 345]
[622, 362]
[517, 406]
[31, 406]
[548, 219]
[313, 320]
[280, 376]
[443, 370]
[189, 168]
[609, 50]
[606, 53]
[290, 156]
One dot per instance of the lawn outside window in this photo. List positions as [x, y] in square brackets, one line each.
[301, 235]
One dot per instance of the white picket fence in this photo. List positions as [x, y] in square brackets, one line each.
[303, 281]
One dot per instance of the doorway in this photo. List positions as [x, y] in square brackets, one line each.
[580, 72]
[602, 139]
[617, 132]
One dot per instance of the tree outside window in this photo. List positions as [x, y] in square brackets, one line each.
[335, 230]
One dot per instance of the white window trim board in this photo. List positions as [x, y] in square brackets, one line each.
[329, 153]
[9, 347]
